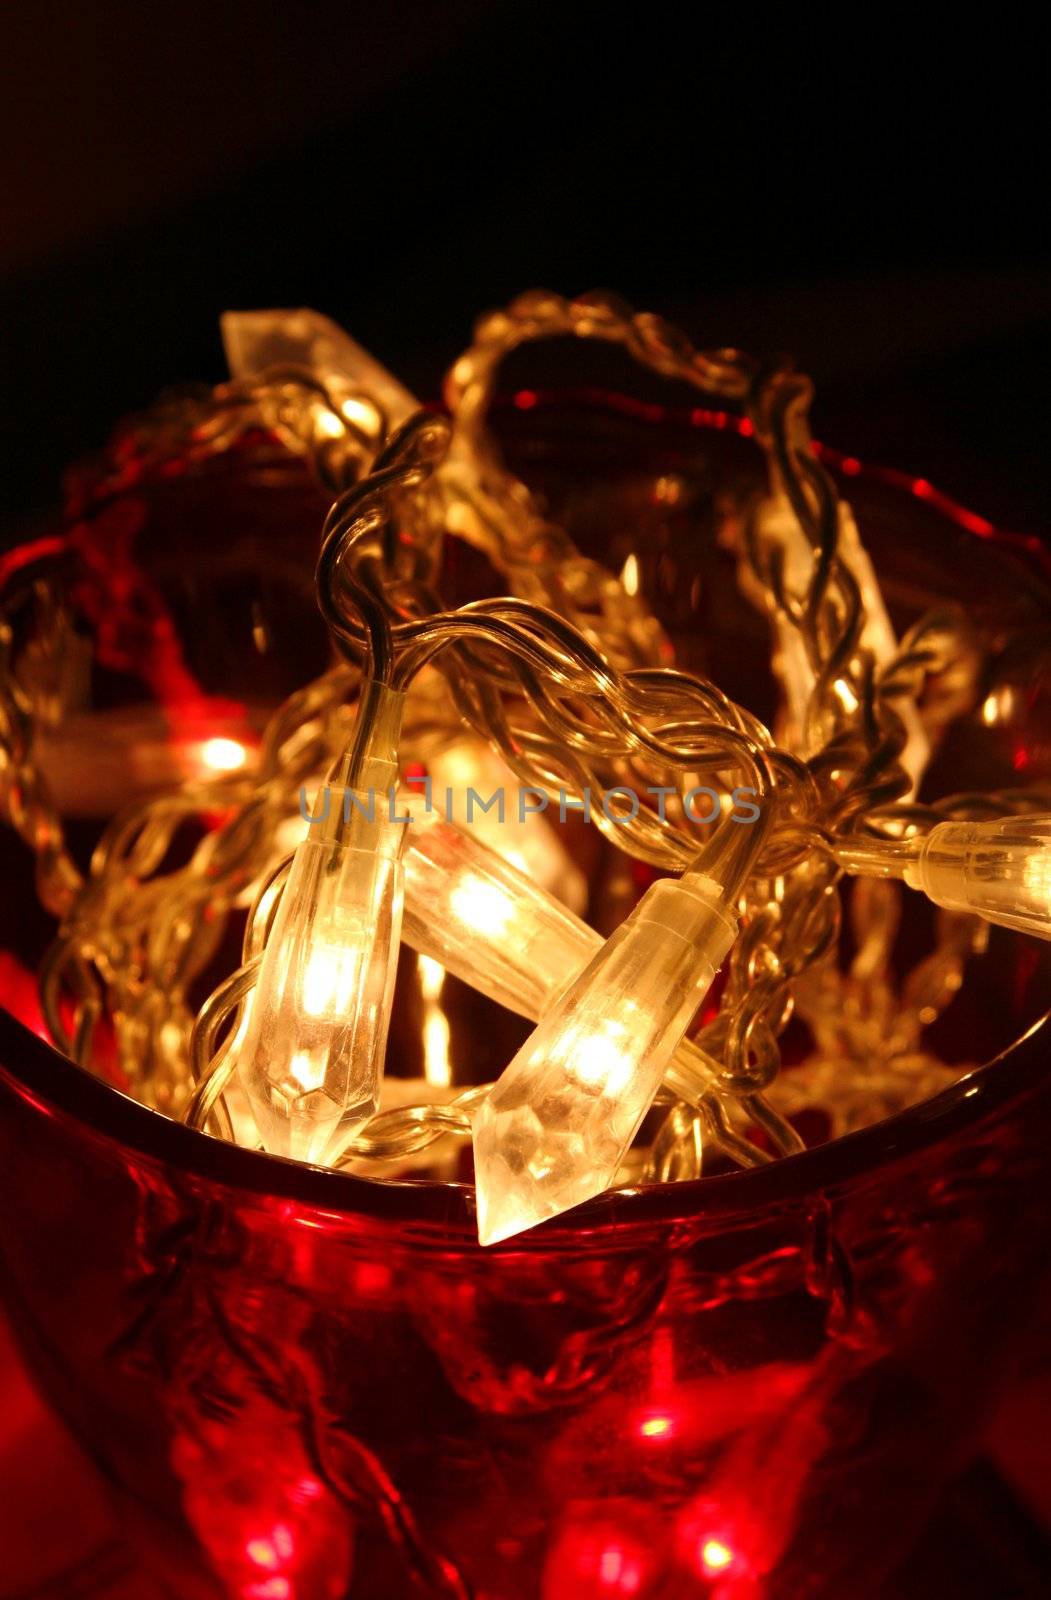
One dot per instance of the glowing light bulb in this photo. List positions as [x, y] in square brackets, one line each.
[476, 790]
[629, 576]
[305, 1073]
[556, 1125]
[257, 340]
[327, 425]
[999, 870]
[472, 911]
[311, 1059]
[1036, 877]
[330, 979]
[602, 1060]
[485, 907]
[223, 755]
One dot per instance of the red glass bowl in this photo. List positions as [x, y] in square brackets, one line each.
[304, 1385]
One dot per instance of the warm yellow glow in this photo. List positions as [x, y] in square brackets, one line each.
[998, 706]
[261, 1552]
[360, 413]
[523, 836]
[715, 1555]
[656, 1427]
[223, 755]
[330, 979]
[308, 1070]
[599, 1060]
[629, 575]
[432, 977]
[461, 765]
[846, 696]
[327, 425]
[288, 834]
[437, 1068]
[1037, 876]
[483, 907]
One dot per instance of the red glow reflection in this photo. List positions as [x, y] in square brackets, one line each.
[598, 1560]
[274, 1550]
[723, 421]
[271, 1528]
[20, 994]
[718, 1548]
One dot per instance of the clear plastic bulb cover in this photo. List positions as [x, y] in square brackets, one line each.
[999, 870]
[553, 1130]
[476, 790]
[311, 1062]
[485, 921]
[499, 931]
[257, 340]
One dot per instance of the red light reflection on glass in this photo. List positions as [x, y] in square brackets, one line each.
[600, 1554]
[721, 1546]
[269, 1589]
[274, 1550]
[261, 1553]
[19, 993]
[619, 1571]
[372, 1277]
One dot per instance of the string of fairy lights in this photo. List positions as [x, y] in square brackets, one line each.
[566, 686]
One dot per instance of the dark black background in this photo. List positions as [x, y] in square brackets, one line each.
[866, 192]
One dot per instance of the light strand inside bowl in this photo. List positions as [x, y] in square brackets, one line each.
[570, 681]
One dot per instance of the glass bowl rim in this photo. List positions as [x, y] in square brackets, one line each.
[55, 1085]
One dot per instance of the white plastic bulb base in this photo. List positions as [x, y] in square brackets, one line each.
[998, 870]
[555, 1127]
